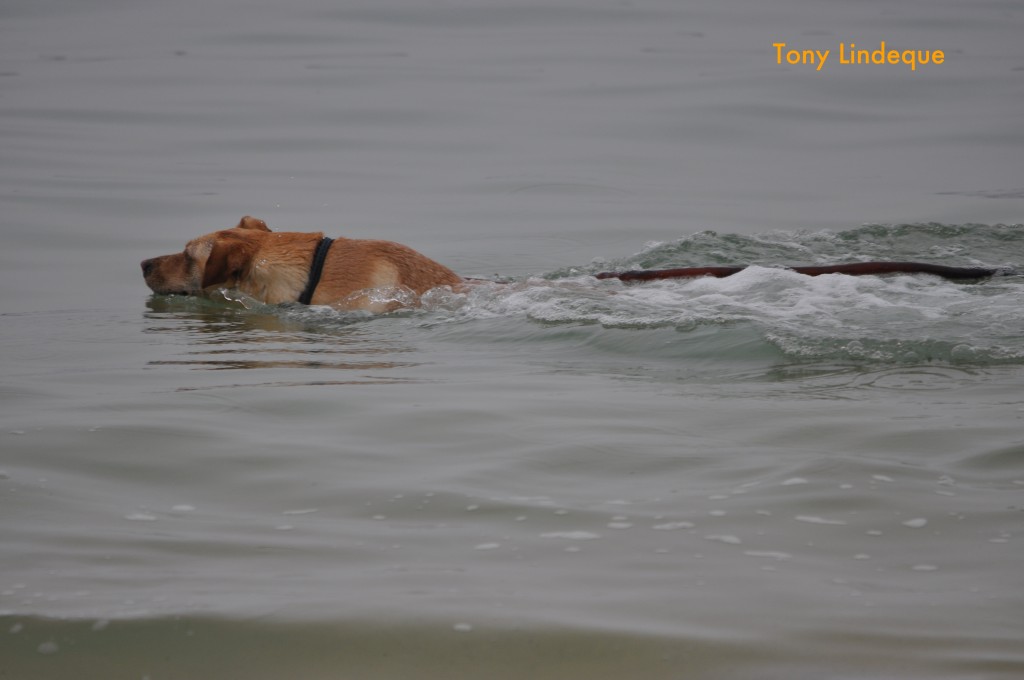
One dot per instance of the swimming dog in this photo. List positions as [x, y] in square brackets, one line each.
[307, 267]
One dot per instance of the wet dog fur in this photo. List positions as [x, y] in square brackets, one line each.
[273, 267]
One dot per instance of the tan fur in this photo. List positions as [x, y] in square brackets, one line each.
[274, 266]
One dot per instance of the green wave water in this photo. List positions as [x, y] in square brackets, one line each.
[766, 312]
[872, 319]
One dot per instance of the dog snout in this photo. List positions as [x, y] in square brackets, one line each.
[148, 266]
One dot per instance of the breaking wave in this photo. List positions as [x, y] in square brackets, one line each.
[763, 309]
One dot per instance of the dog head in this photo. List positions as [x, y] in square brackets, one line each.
[217, 259]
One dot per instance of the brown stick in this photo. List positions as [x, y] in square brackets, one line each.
[854, 269]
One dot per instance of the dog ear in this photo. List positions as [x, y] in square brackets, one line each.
[228, 258]
[249, 222]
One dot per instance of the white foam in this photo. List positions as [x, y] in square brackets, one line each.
[572, 535]
[771, 554]
[672, 526]
[724, 538]
[818, 520]
[532, 500]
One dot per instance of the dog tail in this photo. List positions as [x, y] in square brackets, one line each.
[854, 269]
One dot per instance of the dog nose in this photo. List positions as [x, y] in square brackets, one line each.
[147, 266]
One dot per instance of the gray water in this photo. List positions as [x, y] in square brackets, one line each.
[765, 476]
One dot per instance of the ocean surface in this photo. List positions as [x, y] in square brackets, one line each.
[548, 476]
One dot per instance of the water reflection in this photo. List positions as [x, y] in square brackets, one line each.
[283, 342]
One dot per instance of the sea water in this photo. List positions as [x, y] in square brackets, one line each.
[546, 475]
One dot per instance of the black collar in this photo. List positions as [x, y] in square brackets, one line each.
[316, 269]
